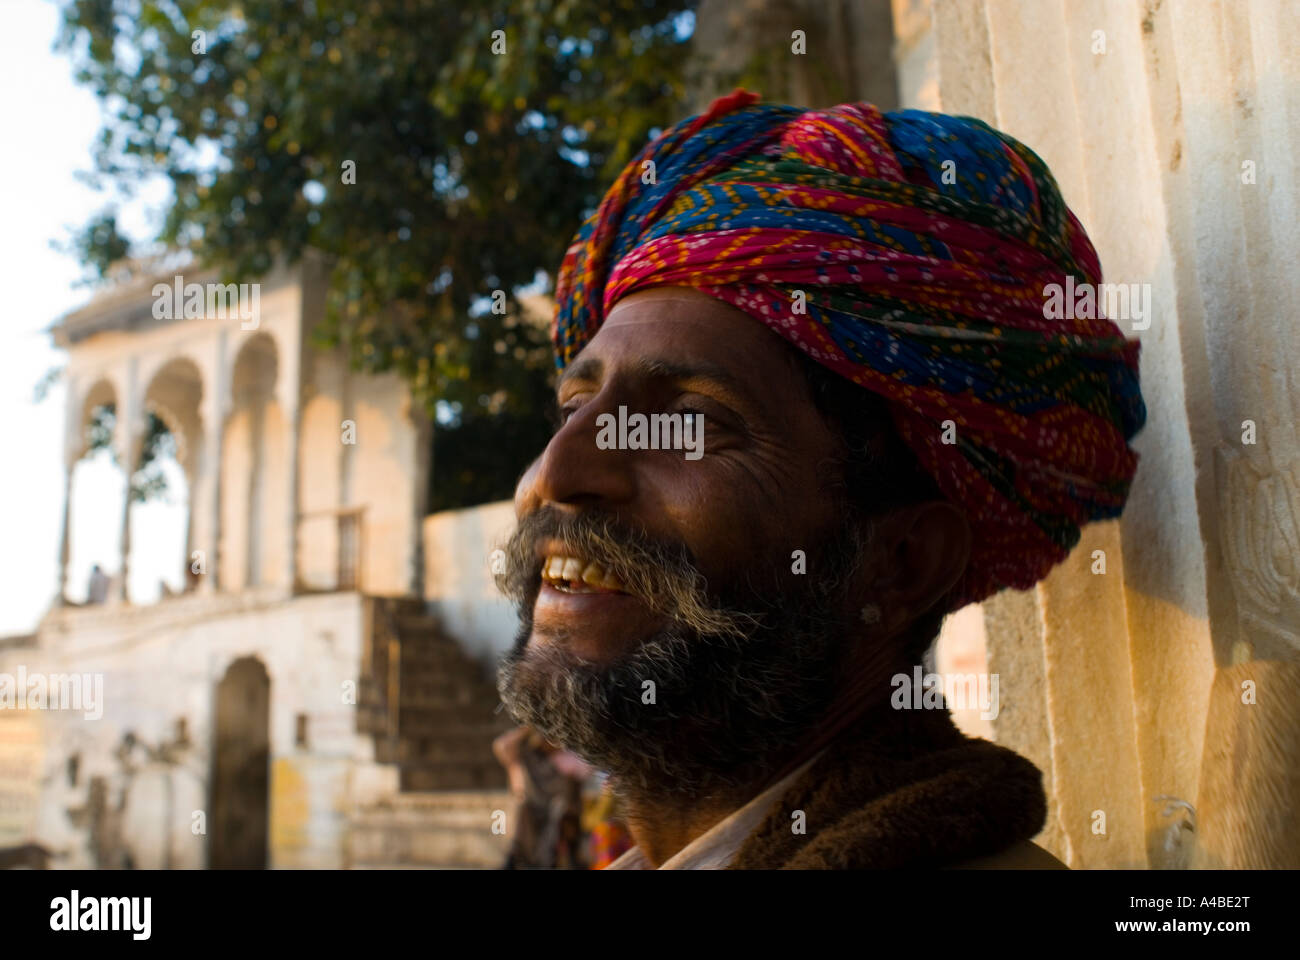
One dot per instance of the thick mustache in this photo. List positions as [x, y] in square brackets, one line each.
[662, 575]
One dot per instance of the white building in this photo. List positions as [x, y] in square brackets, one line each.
[287, 706]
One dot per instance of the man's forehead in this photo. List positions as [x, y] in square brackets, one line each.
[663, 295]
[675, 331]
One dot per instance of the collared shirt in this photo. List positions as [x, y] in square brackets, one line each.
[717, 847]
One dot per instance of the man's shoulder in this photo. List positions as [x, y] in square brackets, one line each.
[906, 789]
[1025, 855]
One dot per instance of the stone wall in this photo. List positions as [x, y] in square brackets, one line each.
[1170, 127]
[276, 438]
[363, 444]
[160, 666]
[458, 583]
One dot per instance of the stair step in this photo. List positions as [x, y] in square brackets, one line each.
[447, 715]
[419, 625]
[426, 750]
[449, 669]
[471, 727]
[445, 682]
[416, 690]
[476, 734]
[433, 697]
[433, 648]
[448, 711]
[422, 751]
[442, 680]
[444, 829]
[479, 848]
[446, 661]
[453, 776]
[467, 726]
[418, 806]
[446, 672]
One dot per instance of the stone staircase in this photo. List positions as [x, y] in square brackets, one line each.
[448, 830]
[432, 710]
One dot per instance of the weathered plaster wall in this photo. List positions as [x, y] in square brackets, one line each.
[261, 418]
[1169, 128]
[387, 474]
[458, 583]
[243, 402]
[320, 482]
[163, 663]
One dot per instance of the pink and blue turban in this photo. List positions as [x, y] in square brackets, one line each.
[921, 280]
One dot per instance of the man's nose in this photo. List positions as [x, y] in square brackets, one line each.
[573, 471]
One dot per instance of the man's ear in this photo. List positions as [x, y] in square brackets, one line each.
[921, 552]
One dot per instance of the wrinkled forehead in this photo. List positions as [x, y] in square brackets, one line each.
[682, 328]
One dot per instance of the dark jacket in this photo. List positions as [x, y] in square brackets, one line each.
[905, 788]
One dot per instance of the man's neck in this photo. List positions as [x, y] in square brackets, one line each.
[661, 831]
[662, 827]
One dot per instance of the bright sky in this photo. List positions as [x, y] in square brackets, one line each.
[51, 124]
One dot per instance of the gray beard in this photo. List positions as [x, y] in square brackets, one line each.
[689, 717]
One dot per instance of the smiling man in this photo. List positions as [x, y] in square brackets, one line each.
[850, 305]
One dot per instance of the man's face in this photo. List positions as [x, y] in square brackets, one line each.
[699, 641]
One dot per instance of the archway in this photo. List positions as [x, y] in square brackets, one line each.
[241, 757]
[96, 487]
[253, 481]
[162, 516]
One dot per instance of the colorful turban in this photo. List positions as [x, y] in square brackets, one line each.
[908, 252]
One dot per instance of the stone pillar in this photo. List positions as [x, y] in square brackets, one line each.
[65, 543]
[205, 508]
[289, 391]
[254, 575]
[294, 417]
[423, 428]
[347, 405]
[73, 443]
[128, 440]
[1168, 129]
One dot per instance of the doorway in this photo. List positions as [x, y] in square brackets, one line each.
[241, 757]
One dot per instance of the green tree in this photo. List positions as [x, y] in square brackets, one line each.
[147, 480]
[435, 151]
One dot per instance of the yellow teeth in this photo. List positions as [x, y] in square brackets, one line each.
[572, 570]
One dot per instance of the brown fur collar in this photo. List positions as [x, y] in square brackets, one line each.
[900, 788]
